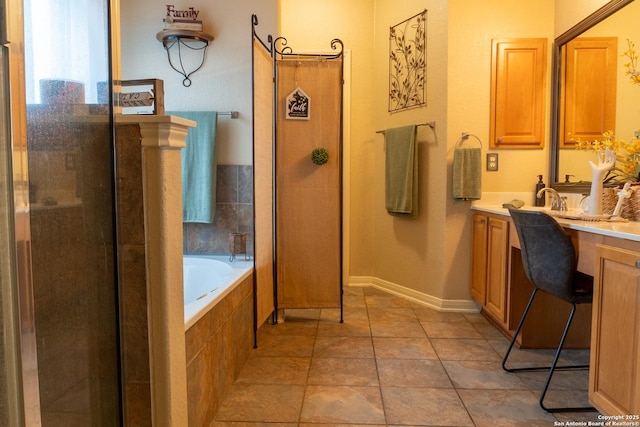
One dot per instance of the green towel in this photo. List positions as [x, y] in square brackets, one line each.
[199, 167]
[467, 174]
[401, 171]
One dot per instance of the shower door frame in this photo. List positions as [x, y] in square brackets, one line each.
[18, 310]
[25, 407]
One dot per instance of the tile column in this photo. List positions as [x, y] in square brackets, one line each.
[162, 139]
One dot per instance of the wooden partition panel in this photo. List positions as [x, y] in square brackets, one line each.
[308, 196]
[263, 178]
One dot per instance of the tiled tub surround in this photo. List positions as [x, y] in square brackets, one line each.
[217, 347]
[234, 214]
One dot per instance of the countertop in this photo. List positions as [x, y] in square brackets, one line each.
[622, 230]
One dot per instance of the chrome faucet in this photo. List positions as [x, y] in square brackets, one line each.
[557, 203]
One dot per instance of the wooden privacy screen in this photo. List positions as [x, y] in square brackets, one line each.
[263, 178]
[308, 196]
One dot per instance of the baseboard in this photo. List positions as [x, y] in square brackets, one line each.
[460, 306]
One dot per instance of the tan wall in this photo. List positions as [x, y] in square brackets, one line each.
[408, 252]
[569, 12]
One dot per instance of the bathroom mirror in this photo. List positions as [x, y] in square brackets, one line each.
[614, 19]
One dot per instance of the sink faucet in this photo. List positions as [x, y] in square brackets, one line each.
[557, 203]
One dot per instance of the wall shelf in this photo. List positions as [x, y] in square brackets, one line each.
[190, 39]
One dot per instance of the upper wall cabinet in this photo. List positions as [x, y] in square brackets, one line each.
[588, 92]
[518, 80]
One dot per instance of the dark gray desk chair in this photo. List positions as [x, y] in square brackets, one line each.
[549, 260]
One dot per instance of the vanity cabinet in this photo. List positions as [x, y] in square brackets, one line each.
[499, 284]
[614, 381]
[489, 265]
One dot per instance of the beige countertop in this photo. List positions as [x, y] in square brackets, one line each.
[623, 230]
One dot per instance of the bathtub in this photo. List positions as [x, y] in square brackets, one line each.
[208, 279]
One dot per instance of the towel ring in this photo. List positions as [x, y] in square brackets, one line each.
[465, 136]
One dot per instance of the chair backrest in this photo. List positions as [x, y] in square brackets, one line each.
[548, 255]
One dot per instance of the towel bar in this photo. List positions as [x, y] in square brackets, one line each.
[466, 136]
[233, 114]
[432, 125]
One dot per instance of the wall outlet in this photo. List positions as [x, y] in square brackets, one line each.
[492, 161]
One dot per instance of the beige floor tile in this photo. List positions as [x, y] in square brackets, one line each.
[285, 345]
[464, 349]
[351, 314]
[262, 403]
[475, 318]
[481, 375]
[369, 290]
[508, 408]
[403, 348]
[350, 302]
[339, 425]
[353, 290]
[424, 407]
[392, 314]
[561, 380]
[450, 330]
[349, 328]
[488, 331]
[245, 424]
[386, 301]
[275, 370]
[393, 363]
[412, 373]
[411, 329]
[355, 347]
[431, 315]
[343, 371]
[523, 357]
[301, 314]
[342, 404]
[292, 327]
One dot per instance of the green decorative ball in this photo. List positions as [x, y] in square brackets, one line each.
[320, 156]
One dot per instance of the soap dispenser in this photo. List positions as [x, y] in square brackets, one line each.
[540, 201]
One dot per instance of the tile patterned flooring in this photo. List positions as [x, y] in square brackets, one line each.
[394, 363]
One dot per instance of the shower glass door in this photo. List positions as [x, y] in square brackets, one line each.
[71, 210]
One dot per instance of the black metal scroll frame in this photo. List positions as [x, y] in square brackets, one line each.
[279, 50]
[170, 40]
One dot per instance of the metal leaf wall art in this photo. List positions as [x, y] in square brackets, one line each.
[408, 63]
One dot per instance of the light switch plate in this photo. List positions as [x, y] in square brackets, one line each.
[492, 161]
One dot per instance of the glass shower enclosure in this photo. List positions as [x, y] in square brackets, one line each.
[59, 360]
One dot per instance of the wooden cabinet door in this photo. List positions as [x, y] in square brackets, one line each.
[588, 96]
[479, 258]
[614, 377]
[497, 259]
[518, 80]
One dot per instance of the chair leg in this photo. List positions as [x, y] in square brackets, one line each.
[515, 335]
[554, 367]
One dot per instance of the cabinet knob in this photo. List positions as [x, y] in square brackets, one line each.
[638, 263]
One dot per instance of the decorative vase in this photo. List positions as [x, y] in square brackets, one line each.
[606, 161]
